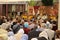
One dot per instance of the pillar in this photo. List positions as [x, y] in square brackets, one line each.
[26, 6]
[0, 9]
[59, 17]
[6, 9]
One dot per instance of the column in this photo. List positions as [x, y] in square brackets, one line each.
[26, 6]
[59, 17]
[6, 9]
[0, 9]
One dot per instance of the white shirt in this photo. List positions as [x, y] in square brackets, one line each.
[34, 39]
[57, 39]
[11, 38]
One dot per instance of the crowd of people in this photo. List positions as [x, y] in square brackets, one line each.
[28, 28]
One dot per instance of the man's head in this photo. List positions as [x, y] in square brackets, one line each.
[39, 38]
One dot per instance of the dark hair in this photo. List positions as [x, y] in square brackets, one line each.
[18, 20]
[41, 38]
[25, 20]
[21, 13]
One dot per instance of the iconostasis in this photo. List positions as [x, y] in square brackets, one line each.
[51, 11]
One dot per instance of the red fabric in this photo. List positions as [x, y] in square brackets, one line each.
[36, 7]
[56, 11]
[26, 30]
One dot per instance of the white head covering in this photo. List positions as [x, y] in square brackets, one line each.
[10, 33]
[34, 39]
[57, 39]
[21, 31]
[43, 34]
[19, 34]
[50, 33]
[3, 34]
[11, 38]
[47, 33]
[48, 22]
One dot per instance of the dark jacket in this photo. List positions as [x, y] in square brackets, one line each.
[33, 34]
[16, 28]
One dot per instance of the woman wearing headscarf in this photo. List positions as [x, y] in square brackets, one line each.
[48, 34]
[24, 37]
[19, 34]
